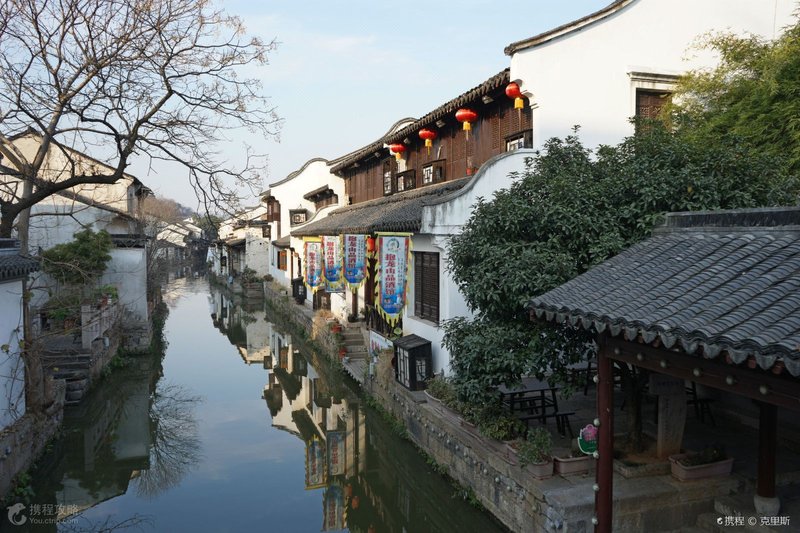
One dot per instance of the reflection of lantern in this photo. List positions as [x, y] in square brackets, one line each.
[355, 503]
[466, 117]
[512, 91]
[370, 244]
[397, 149]
[429, 136]
[413, 356]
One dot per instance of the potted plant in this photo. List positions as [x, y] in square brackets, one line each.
[439, 392]
[536, 451]
[352, 317]
[711, 461]
[572, 462]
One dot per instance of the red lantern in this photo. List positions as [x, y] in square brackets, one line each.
[512, 91]
[466, 116]
[370, 245]
[397, 149]
[429, 136]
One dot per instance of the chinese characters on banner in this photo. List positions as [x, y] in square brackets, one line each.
[332, 248]
[312, 271]
[393, 250]
[336, 453]
[316, 473]
[355, 260]
[333, 503]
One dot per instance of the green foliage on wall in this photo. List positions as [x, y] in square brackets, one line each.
[80, 261]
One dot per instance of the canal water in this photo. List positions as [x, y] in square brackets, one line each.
[234, 426]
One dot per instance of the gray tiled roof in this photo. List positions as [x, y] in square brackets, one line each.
[13, 265]
[708, 282]
[398, 212]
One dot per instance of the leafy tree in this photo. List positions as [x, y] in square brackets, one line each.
[121, 78]
[80, 261]
[753, 94]
[570, 210]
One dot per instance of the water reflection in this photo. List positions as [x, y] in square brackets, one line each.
[370, 479]
[135, 431]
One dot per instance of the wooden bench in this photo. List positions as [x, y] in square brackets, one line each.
[537, 404]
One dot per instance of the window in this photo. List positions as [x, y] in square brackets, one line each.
[387, 178]
[297, 216]
[519, 140]
[434, 172]
[282, 260]
[405, 181]
[650, 103]
[426, 286]
[265, 232]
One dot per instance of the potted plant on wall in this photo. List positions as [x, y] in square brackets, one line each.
[536, 452]
[711, 461]
[572, 462]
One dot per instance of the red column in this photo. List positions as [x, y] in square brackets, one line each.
[603, 498]
[767, 448]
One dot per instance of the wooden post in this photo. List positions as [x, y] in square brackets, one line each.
[603, 499]
[767, 447]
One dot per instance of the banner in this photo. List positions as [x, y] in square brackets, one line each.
[312, 264]
[393, 252]
[316, 473]
[336, 453]
[333, 518]
[355, 260]
[332, 249]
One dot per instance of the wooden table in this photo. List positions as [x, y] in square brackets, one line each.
[539, 404]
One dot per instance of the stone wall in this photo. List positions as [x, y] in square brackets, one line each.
[491, 471]
[24, 441]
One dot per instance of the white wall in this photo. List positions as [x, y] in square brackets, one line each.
[127, 270]
[584, 77]
[257, 250]
[12, 371]
[439, 222]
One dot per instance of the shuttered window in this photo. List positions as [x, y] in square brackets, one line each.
[282, 260]
[650, 103]
[426, 286]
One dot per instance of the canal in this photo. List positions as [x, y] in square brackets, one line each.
[233, 425]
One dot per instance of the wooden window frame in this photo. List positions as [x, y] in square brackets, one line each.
[408, 180]
[526, 137]
[438, 172]
[426, 286]
[283, 260]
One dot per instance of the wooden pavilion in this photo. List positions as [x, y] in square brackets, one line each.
[711, 297]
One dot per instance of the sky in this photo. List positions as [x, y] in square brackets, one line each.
[345, 71]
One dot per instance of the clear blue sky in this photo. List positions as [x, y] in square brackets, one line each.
[344, 72]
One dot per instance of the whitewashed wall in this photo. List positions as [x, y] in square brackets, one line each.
[127, 270]
[439, 222]
[587, 77]
[12, 372]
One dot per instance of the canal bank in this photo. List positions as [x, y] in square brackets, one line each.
[490, 471]
[238, 420]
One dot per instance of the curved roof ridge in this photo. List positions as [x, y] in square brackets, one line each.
[564, 29]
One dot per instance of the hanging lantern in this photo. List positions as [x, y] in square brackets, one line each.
[429, 136]
[466, 116]
[397, 149]
[370, 244]
[512, 91]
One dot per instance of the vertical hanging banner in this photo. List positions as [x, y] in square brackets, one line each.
[312, 268]
[355, 260]
[393, 252]
[332, 271]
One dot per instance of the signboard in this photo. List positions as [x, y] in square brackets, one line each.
[315, 464]
[355, 260]
[393, 251]
[312, 267]
[336, 453]
[333, 503]
[332, 249]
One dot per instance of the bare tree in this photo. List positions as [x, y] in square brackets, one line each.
[119, 79]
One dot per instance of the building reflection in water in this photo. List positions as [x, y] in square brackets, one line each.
[133, 432]
[370, 481]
